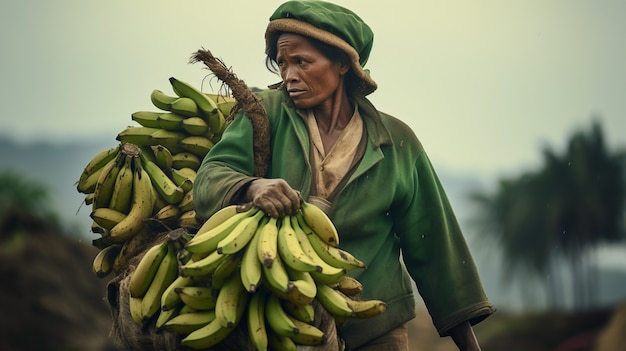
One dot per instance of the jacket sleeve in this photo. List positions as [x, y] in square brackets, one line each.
[226, 169]
[436, 254]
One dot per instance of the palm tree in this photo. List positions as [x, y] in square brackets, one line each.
[561, 212]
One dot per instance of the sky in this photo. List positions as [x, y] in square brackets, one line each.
[485, 85]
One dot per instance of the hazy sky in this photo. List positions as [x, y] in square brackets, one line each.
[484, 84]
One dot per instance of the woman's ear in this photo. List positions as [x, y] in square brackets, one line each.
[345, 67]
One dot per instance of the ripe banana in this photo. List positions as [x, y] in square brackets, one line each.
[305, 312]
[267, 247]
[187, 323]
[161, 100]
[333, 301]
[162, 156]
[231, 303]
[203, 267]
[290, 249]
[147, 118]
[88, 185]
[185, 159]
[200, 298]
[307, 334]
[207, 336]
[196, 144]
[279, 342]
[195, 126]
[217, 227]
[276, 277]
[130, 248]
[320, 223]
[186, 204]
[146, 269]
[134, 305]
[171, 121]
[349, 286]
[303, 287]
[257, 330]
[168, 216]
[189, 220]
[334, 256]
[165, 275]
[141, 207]
[102, 264]
[164, 316]
[277, 318]
[240, 235]
[170, 299]
[251, 271]
[366, 308]
[106, 218]
[121, 198]
[95, 164]
[162, 183]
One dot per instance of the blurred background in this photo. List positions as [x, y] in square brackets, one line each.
[519, 104]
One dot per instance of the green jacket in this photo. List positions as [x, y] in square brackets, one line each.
[393, 206]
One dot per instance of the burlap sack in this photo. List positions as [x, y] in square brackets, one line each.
[130, 336]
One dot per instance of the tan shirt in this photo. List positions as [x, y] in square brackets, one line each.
[331, 167]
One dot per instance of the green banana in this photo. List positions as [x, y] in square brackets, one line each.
[162, 183]
[102, 264]
[280, 342]
[206, 105]
[164, 276]
[172, 121]
[333, 301]
[197, 145]
[147, 118]
[161, 100]
[186, 159]
[203, 267]
[303, 287]
[181, 180]
[186, 203]
[251, 271]
[106, 182]
[334, 256]
[200, 298]
[95, 164]
[225, 269]
[168, 138]
[276, 277]
[216, 228]
[121, 198]
[257, 330]
[189, 220]
[304, 312]
[141, 207]
[307, 334]
[240, 235]
[168, 215]
[195, 126]
[184, 106]
[170, 299]
[146, 269]
[277, 318]
[187, 323]
[140, 136]
[231, 303]
[162, 156]
[107, 218]
[207, 336]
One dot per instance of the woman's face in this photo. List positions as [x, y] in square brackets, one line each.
[310, 77]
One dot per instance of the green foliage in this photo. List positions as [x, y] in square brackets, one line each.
[22, 194]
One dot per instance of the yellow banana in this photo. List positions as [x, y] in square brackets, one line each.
[95, 164]
[333, 301]
[320, 223]
[280, 342]
[349, 286]
[141, 207]
[186, 160]
[216, 228]
[207, 336]
[225, 269]
[366, 308]
[290, 249]
[276, 277]
[102, 264]
[195, 126]
[277, 318]
[197, 145]
[146, 269]
[186, 204]
[189, 220]
[257, 330]
[231, 303]
[134, 305]
[147, 118]
[302, 287]
[251, 271]
[307, 334]
[168, 216]
[107, 218]
[187, 323]
[162, 156]
[334, 256]
[172, 121]
[131, 247]
[161, 100]
[164, 276]
[305, 312]
[203, 267]
[267, 246]
[169, 298]
[240, 235]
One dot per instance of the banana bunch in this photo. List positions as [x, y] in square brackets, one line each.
[163, 152]
[245, 267]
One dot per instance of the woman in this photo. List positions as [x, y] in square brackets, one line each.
[366, 169]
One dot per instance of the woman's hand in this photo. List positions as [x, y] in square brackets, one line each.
[274, 196]
[464, 338]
